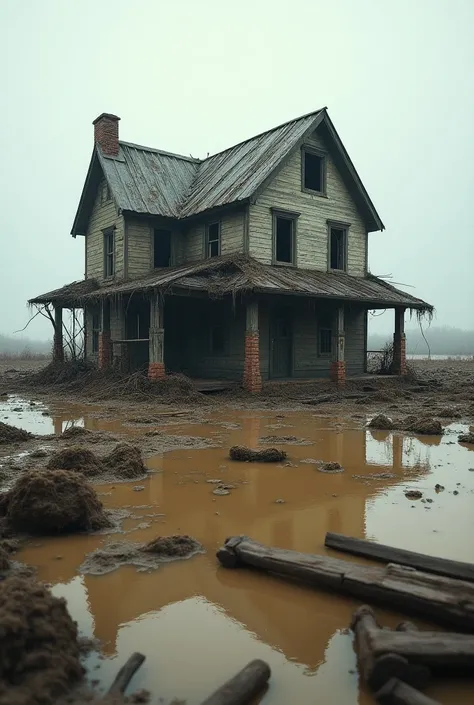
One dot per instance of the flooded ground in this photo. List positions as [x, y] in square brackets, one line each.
[198, 623]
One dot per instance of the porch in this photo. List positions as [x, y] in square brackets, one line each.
[232, 318]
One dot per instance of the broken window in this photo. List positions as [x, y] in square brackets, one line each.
[213, 240]
[95, 332]
[284, 240]
[337, 248]
[218, 340]
[325, 335]
[109, 253]
[161, 248]
[313, 171]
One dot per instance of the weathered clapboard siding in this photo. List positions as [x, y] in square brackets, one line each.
[355, 341]
[103, 216]
[232, 236]
[140, 247]
[312, 232]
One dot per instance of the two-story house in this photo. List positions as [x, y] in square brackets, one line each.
[250, 264]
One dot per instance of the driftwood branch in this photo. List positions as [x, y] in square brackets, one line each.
[441, 599]
[388, 554]
[126, 673]
[376, 669]
[243, 687]
[397, 693]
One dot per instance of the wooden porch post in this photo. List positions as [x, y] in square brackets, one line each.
[252, 381]
[105, 346]
[58, 348]
[156, 365]
[338, 366]
[399, 343]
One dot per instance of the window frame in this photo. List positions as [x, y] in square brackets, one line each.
[323, 156]
[109, 233]
[207, 241]
[293, 217]
[171, 259]
[345, 227]
[325, 322]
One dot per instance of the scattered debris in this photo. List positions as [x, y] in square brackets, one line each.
[39, 453]
[246, 455]
[381, 422]
[413, 494]
[12, 434]
[125, 461]
[330, 468]
[4, 560]
[138, 488]
[285, 439]
[214, 482]
[39, 650]
[75, 458]
[279, 501]
[466, 437]
[424, 426]
[75, 432]
[53, 501]
[449, 412]
[144, 556]
[439, 488]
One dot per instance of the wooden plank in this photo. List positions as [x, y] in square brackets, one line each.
[243, 687]
[441, 599]
[389, 554]
[126, 673]
[395, 692]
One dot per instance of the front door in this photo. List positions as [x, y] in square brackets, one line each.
[281, 344]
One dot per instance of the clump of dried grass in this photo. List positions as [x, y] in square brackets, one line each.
[246, 455]
[12, 434]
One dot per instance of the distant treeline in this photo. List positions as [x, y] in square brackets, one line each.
[442, 341]
[23, 347]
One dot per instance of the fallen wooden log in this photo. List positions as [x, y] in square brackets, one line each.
[243, 687]
[378, 670]
[126, 673]
[389, 554]
[441, 599]
[396, 692]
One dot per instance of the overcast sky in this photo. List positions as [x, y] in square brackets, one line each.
[196, 76]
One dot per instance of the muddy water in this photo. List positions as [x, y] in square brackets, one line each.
[198, 624]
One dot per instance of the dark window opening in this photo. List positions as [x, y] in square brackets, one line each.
[337, 248]
[161, 248]
[214, 240]
[325, 340]
[313, 172]
[218, 340]
[95, 332]
[284, 240]
[109, 253]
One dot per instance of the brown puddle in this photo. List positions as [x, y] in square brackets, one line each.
[198, 624]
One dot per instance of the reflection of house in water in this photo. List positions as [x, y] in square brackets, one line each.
[398, 451]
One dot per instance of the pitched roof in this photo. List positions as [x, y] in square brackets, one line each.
[67, 295]
[232, 274]
[153, 182]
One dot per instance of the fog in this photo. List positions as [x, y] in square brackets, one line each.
[196, 77]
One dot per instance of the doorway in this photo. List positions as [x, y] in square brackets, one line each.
[281, 345]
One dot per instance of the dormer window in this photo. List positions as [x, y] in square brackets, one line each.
[313, 171]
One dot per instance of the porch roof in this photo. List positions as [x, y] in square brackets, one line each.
[234, 274]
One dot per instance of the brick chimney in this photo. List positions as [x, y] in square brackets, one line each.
[106, 133]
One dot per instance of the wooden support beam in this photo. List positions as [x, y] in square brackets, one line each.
[252, 380]
[243, 687]
[378, 670]
[156, 345]
[441, 599]
[389, 554]
[58, 347]
[399, 343]
[338, 365]
[395, 692]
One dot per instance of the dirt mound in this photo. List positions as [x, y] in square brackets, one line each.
[423, 426]
[381, 422]
[125, 461]
[246, 455]
[76, 458]
[53, 501]
[75, 432]
[39, 653]
[330, 468]
[175, 546]
[449, 412]
[144, 557]
[466, 437]
[12, 434]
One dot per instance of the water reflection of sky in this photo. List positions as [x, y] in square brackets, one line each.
[18, 411]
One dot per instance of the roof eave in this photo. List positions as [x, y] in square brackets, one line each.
[77, 227]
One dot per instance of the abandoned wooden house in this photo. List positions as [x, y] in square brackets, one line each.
[248, 265]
